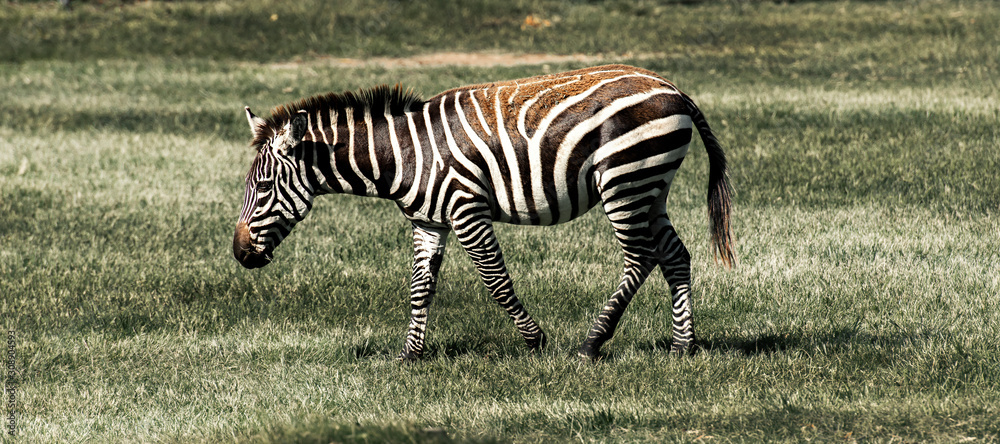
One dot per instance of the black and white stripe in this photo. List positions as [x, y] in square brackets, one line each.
[537, 151]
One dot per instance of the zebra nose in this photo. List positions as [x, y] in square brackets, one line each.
[244, 251]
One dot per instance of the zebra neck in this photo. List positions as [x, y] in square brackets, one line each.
[362, 157]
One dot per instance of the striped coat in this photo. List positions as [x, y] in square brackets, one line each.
[536, 151]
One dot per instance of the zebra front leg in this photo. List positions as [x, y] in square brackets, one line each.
[636, 272]
[480, 242]
[428, 250]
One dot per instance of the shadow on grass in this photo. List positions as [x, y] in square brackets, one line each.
[478, 343]
[321, 428]
[767, 344]
[774, 343]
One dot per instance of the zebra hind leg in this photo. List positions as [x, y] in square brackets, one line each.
[635, 273]
[630, 214]
[675, 263]
[428, 251]
[477, 237]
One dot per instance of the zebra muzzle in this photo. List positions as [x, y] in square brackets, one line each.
[245, 252]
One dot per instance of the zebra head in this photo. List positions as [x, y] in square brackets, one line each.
[276, 196]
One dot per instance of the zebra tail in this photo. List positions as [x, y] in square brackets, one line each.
[719, 193]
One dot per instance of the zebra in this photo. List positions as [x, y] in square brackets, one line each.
[535, 151]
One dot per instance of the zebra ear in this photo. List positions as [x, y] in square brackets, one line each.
[293, 132]
[255, 122]
[298, 126]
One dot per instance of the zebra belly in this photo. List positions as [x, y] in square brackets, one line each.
[554, 210]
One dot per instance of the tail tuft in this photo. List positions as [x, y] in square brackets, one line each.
[719, 193]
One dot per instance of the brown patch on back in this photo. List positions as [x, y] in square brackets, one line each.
[547, 91]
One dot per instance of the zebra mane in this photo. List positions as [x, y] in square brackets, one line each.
[381, 99]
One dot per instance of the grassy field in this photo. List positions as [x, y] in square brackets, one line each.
[864, 147]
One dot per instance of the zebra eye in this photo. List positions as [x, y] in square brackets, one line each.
[264, 186]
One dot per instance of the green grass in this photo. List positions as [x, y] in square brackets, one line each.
[863, 143]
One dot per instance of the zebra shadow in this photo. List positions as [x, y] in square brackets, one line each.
[761, 345]
[767, 344]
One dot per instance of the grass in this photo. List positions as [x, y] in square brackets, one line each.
[863, 143]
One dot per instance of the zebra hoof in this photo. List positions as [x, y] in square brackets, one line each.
[538, 342]
[589, 353]
[683, 348]
[408, 356]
